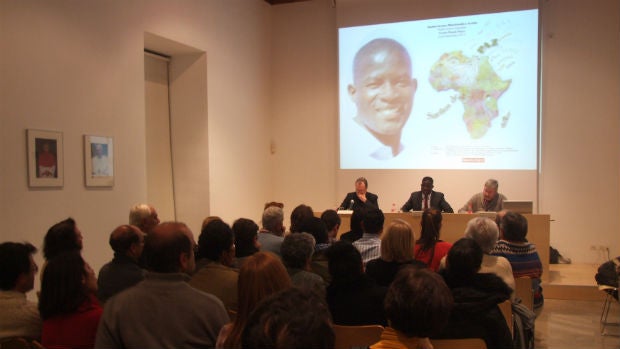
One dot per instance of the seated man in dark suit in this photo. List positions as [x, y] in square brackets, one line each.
[427, 198]
[360, 197]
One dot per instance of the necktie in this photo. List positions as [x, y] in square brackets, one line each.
[426, 202]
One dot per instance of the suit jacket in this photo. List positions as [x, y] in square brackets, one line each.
[438, 202]
[371, 200]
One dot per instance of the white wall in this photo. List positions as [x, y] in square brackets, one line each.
[78, 67]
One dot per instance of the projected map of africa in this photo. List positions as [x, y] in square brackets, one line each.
[477, 84]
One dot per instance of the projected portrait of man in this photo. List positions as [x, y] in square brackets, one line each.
[383, 90]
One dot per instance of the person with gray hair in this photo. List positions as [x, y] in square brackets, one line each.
[488, 200]
[297, 250]
[270, 236]
[484, 231]
[144, 217]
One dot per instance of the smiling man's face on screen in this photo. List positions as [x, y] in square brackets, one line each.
[383, 88]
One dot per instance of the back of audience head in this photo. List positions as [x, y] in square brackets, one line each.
[299, 214]
[514, 227]
[127, 240]
[373, 221]
[273, 219]
[297, 250]
[144, 217]
[430, 227]
[418, 302]
[344, 262]
[315, 227]
[216, 243]
[273, 204]
[67, 282]
[292, 318]
[170, 249]
[332, 222]
[484, 231]
[463, 260]
[62, 237]
[262, 275]
[357, 217]
[17, 268]
[208, 220]
[246, 237]
[397, 242]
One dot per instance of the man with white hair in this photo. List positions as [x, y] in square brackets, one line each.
[488, 200]
[144, 217]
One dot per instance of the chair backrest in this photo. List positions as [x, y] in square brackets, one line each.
[356, 336]
[461, 343]
[523, 290]
[506, 309]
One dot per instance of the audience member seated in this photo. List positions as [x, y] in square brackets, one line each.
[270, 236]
[485, 232]
[19, 317]
[208, 220]
[429, 249]
[476, 297]
[369, 244]
[144, 217]
[332, 223]
[261, 275]
[299, 214]
[297, 250]
[214, 273]
[163, 311]
[67, 304]
[353, 297]
[396, 251]
[127, 242]
[355, 225]
[417, 306]
[289, 319]
[246, 240]
[62, 237]
[521, 254]
[315, 227]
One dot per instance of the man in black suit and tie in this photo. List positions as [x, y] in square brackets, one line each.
[426, 198]
[360, 197]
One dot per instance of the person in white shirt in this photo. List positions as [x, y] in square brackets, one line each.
[19, 317]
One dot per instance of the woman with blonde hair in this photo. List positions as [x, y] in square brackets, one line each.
[397, 245]
[261, 275]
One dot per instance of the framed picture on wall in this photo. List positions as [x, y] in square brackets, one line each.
[98, 161]
[45, 160]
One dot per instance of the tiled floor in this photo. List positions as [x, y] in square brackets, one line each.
[575, 324]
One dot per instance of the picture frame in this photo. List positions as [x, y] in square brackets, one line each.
[45, 159]
[98, 161]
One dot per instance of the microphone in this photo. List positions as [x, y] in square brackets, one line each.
[351, 204]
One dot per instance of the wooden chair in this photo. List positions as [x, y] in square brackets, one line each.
[462, 343]
[356, 336]
[506, 309]
[523, 290]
